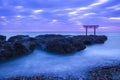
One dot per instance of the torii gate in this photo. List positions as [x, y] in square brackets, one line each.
[91, 26]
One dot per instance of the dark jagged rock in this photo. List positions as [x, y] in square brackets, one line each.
[6, 51]
[43, 77]
[50, 36]
[78, 44]
[91, 39]
[67, 44]
[16, 46]
[105, 73]
[85, 39]
[18, 38]
[2, 38]
[60, 46]
[10, 50]
[23, 44]
[99, 39]
[27, 41]
[42, 40]
[59, 43]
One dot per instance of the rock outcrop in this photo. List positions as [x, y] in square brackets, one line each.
[16, 46]
[91, 39]
[59, 43]
[67, 43]
[63, 44]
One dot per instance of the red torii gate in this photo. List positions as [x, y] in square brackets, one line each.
[91, 26]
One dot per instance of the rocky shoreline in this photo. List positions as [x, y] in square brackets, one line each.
[111, 72]
[20, 45]
[43, 77]
[98, 73]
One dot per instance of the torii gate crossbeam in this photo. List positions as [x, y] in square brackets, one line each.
[90, 26]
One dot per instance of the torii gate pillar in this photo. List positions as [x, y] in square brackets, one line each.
[90, 26]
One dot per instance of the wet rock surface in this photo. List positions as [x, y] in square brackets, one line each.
[105, 73]
[68, 43]
[98, 73]
[43, 77]
[64, 44]
[91, 39]
[16, 46]
[59, 43]
[2, 38]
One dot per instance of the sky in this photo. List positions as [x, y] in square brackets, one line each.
[59, 15]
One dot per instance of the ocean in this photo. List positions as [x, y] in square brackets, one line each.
[76, 65]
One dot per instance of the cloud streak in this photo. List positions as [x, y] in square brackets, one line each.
[58, 14]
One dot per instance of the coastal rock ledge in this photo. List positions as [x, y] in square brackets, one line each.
[20, 45]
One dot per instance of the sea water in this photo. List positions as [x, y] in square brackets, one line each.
[77, 64]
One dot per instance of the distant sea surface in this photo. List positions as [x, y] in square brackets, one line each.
[41, 62]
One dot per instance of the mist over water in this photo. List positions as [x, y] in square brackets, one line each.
[77, 64]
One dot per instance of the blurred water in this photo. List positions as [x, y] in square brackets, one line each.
[77, 64]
